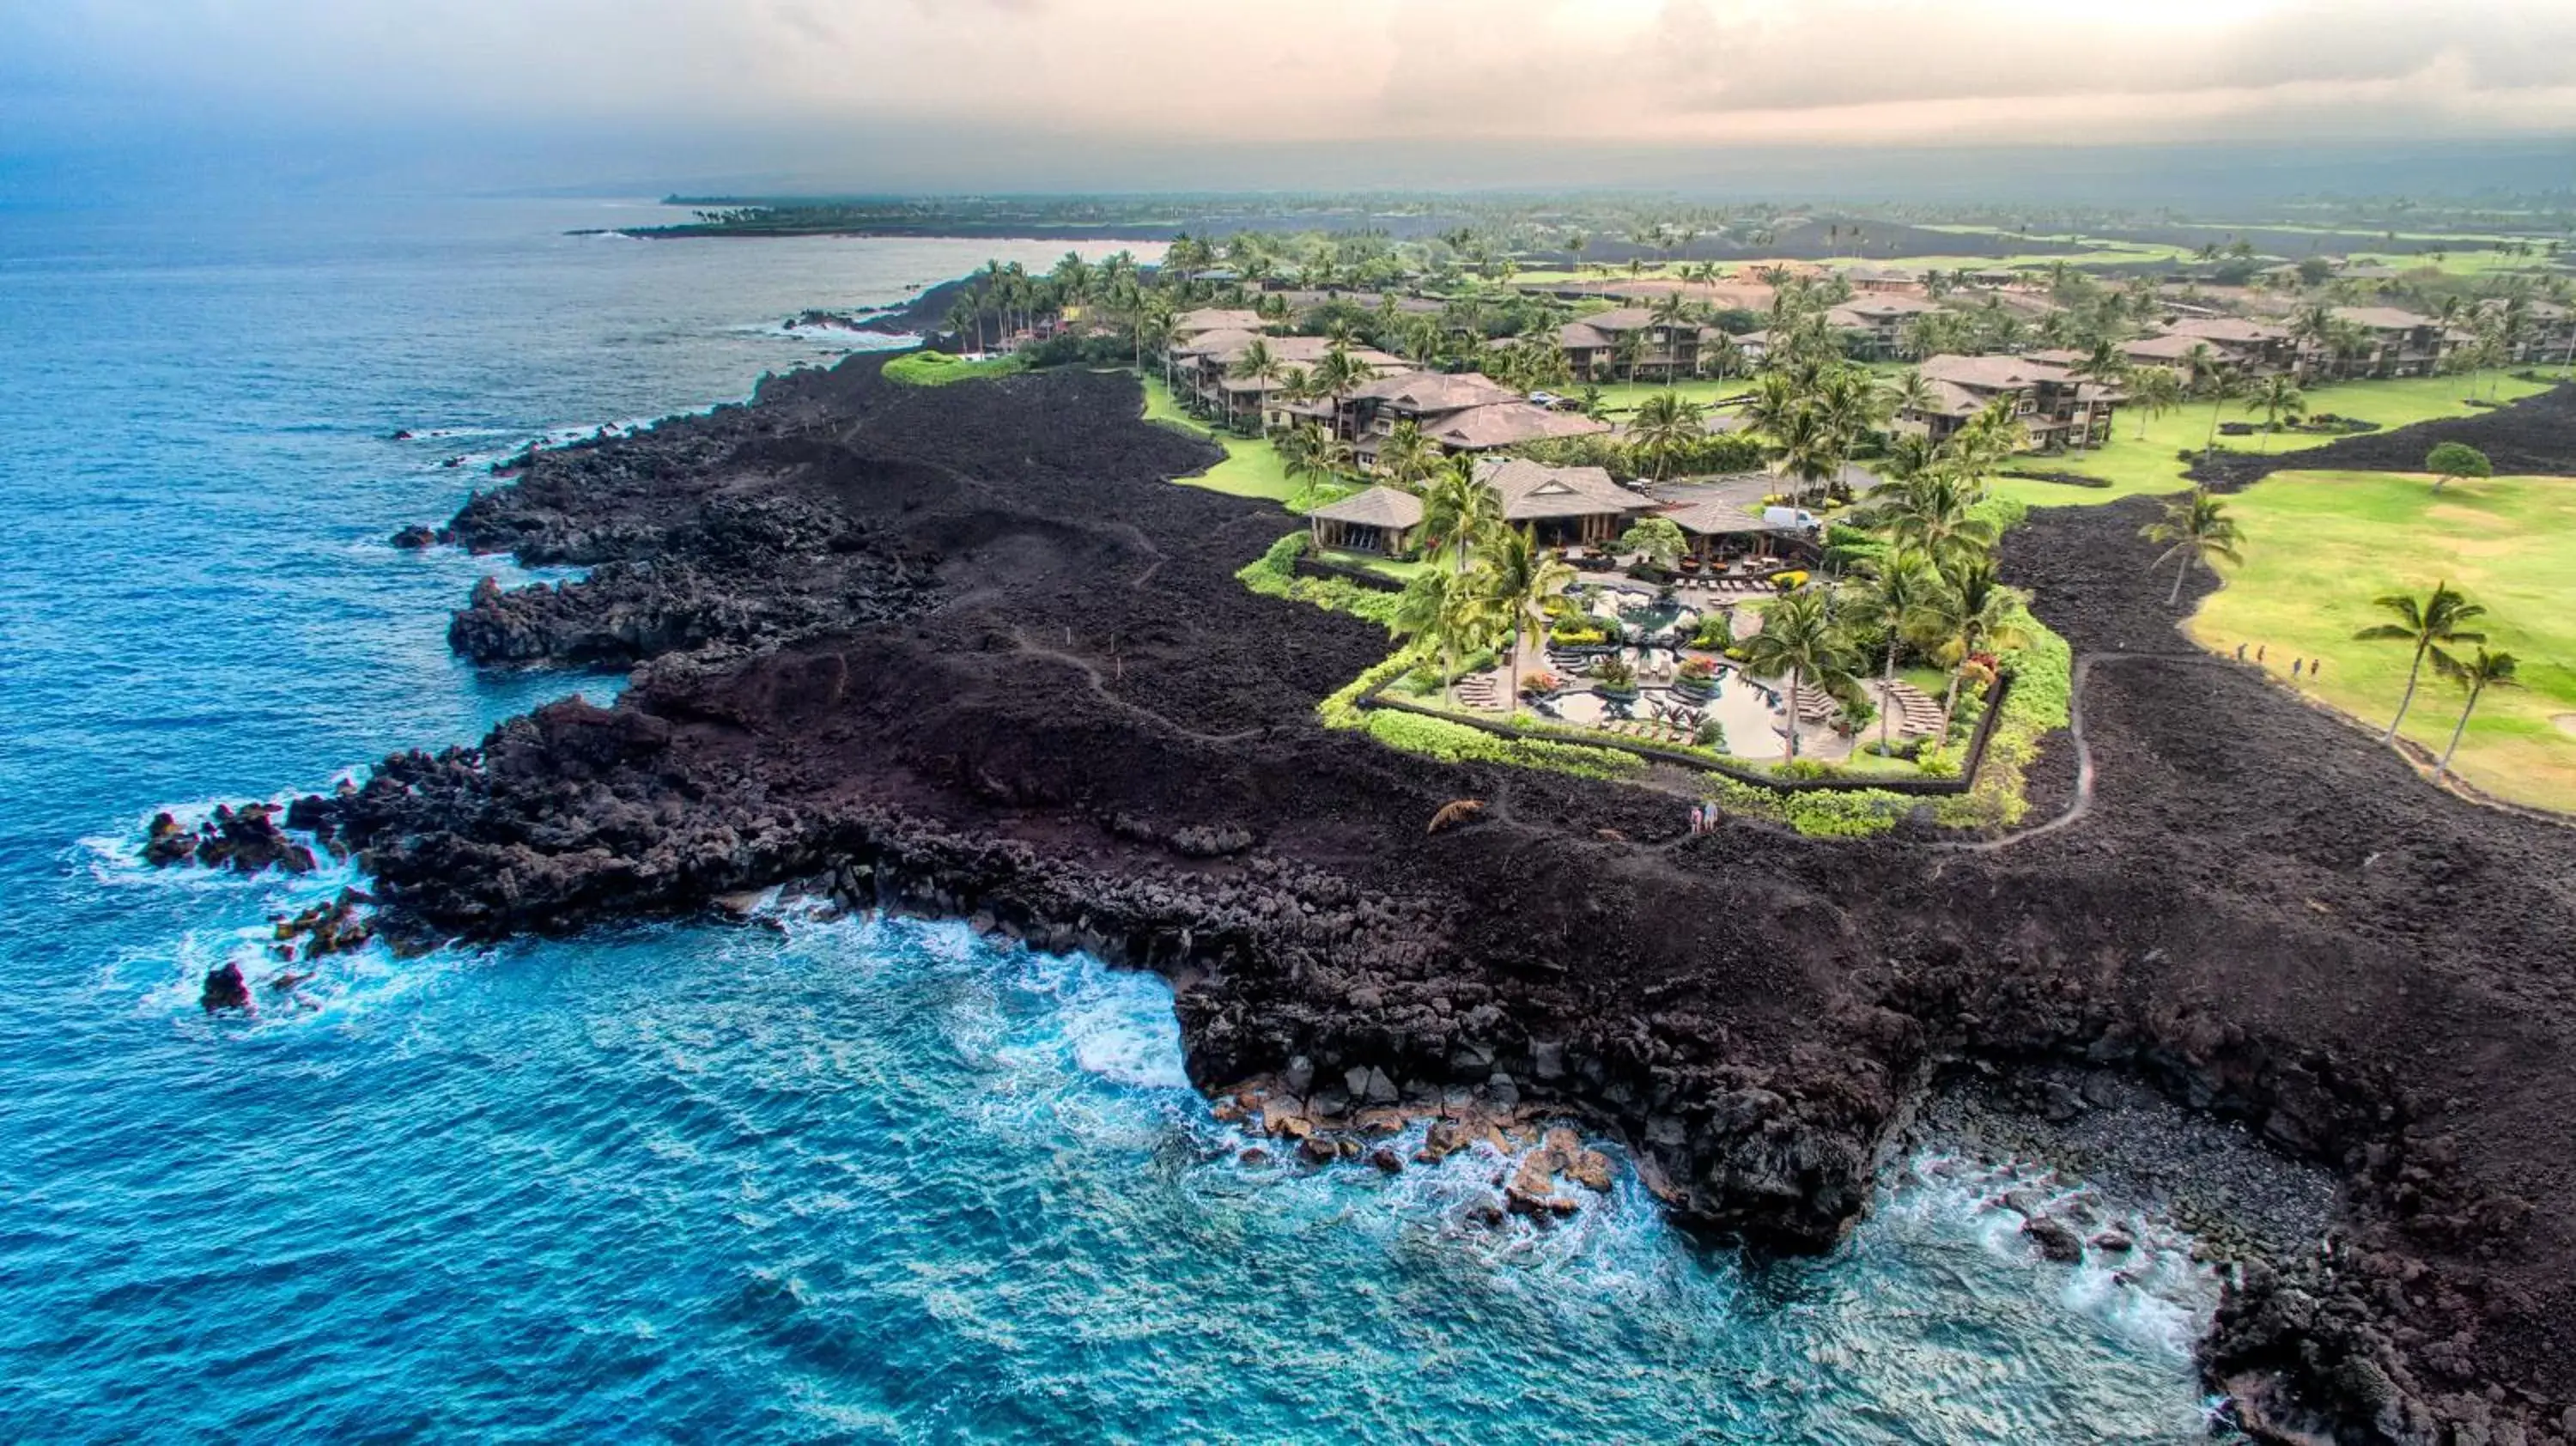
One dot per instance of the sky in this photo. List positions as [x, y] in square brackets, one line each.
[1175, 94]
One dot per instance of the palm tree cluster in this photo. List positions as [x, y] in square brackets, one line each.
[1817, 409]
[2434, 626]
[1930, 589]
[1498, 594]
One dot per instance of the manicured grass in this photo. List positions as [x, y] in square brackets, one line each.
[1625, 397]
[1251, 468]
[2320, 545]
[938, 368]
[2133, 466]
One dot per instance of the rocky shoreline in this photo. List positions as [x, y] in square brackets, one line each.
[966, 651]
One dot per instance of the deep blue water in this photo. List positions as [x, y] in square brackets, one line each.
[829, 1181]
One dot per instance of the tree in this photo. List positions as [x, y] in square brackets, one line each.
[1513, 580]
[2195, 529]
[2154, 391]
[2481, 671]
[962, 318]
[1457, 510]
[1721, 357]
[1659, 539]
[1308, 453]
[2278, 398]
[1407, 456]
[1433, 614]
[2454, 460]
[1801, 642]
[1665, 421]
[1257, 364]
[1806, 449]
[1894, 600]
[1936, 515]
[2441, 617]
[1912, 392]
[1973, 614]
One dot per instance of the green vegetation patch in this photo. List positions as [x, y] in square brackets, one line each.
[2320, 546]
[2131, 465]
[1251, 468]
[938, 368]
[1274, 574]
[1458, 743]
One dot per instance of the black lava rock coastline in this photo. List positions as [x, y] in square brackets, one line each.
[965, 650]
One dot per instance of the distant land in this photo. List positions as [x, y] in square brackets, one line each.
[1660, 227]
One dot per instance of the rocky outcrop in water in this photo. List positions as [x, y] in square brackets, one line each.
[965, 651]
[246, 840]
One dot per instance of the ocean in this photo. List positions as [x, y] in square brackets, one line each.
[807, 1180]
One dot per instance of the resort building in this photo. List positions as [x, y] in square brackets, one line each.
[1628, 343]
[2544, 331]
[1381, 520]
[2056, 407]
[2402, 344]
[1464, 412]
[2253, 348]
[1883, 279]
[1878, 322]
[1203, 369]
[1190, 325]
[1562, 506]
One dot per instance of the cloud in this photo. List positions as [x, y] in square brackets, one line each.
[1890, 69]
[1070, 74]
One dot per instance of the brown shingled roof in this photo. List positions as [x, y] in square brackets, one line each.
[1377, 507]
[1508, 424]
[1438, 391]
[1530, 490]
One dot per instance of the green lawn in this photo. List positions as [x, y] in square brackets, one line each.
[1251, 468]
[938, 369]
[2320, 545]
[1624, 397]
[2133, 466]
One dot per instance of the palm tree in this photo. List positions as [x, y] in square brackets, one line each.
[1894, 600]
[2220, 389]
[2440, 618]
[1672, 312]
[1807, 449]
[1309, 453]
[1911, 392]
[1257, 364]
[1721, 357]
[962, 318]
[2154, 391]
[1973, 614]
[1801, 642]
[1936, 515]
[2482, 670]
[1431, 614]
[2195, 529]
[1407, 456]
[1457, 509]
[2106, 366]
[1908, 457]
[1665, 421]
[2278, 397]
[1513, 580]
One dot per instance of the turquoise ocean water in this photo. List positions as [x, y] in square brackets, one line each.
[824, 1181]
